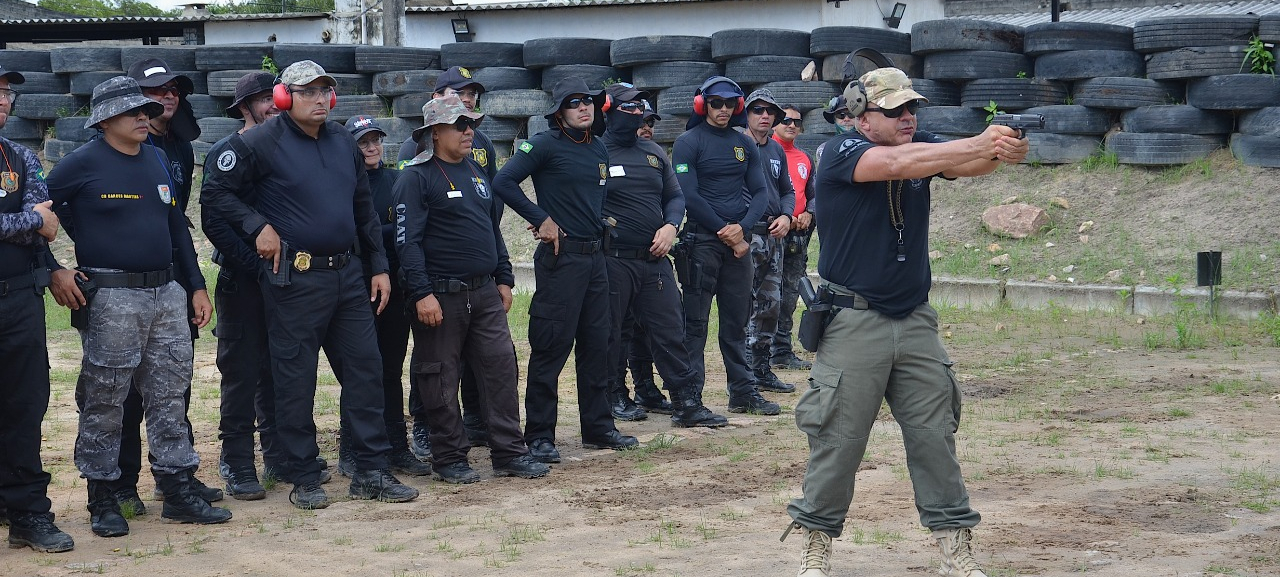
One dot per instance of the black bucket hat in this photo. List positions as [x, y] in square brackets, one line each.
[569, 86]
[249, 85]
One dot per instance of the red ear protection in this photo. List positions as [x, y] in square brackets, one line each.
[608, 103]
[283, 100]
[700, 105]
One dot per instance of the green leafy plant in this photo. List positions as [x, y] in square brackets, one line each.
[269, 65]
[992, 110]
[1022, 74]
[1259, 59]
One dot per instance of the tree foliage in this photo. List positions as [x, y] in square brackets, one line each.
[270, 6]
[106, 8]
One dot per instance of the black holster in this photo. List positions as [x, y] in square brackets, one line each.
[80, 316]
[816, 316]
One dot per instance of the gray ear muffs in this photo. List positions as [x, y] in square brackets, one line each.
[855, 97]
[854, 93]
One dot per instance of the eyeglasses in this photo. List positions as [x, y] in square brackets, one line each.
[720, 103]
[8, 94]
[631, 107]
[761, 110]
[650, 122]
[790, 122]
[313, 92]
[369, 142]
[464, 123]
[162, 91]
[845, 115]
[911, 107]
[572, 103]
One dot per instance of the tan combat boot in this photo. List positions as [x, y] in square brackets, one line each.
[957, 553]
[815, 558]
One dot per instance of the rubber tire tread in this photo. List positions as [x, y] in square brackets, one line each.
[761, 69]
[1196, 62]
[410, 105]
[676, 101]
[816, 123]
[481, 54]
[1083, 64]
[950, 34]
[830, 40]
[740, 42]
[659, 48]
[71, 129]
[84, 59]
[177, 57]
[43, 83]
[667, 130]
[48, 106]
[1179, 118]
[1234, 91]
[594, 75]
[951, 120]
[1047, 37]
[214, 128]
[803, 95]
[333, 58]
[1052, 148]
[1013, 93]
[397, 129]
[516, 103]
[833, 66]
[203, 105]
[1269, 28]
[505, 77]
[939, 92]
[223, 82]
[659, 75]
[1161, 148]
[55, 150]
[1261, 122]
[25, 61]
[358, 105]
[1073, 119]
[17, 128]
[544, 52]
[810, 142]
[82, 83]
[1255, 150]
[372, 59]
[974, 64]
[504, 129]
[534, 125]
[1171, 32]
[232, 56]
[402, 82]
[352, 84]
[1125, 93]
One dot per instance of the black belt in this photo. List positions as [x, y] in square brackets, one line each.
[579, 246]
[760, 228]
[632, 253]
[17, 283]
[304, 261]
[855, 302]
[453, 285]
[149, 279]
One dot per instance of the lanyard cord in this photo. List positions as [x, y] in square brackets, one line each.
[897, 217]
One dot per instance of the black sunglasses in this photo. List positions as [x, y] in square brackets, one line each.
[911, 107]
[650, 122]
[573, 103]
[760, 110]
[631, 106]
[720, 103]
[845, 115]
[790, 121]
[463, 123]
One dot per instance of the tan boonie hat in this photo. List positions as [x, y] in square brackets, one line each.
[443, 110]
[889, 88]
[305, 72]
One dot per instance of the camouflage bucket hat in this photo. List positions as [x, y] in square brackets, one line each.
[443, 110]
[118, 95]
[889, 88]
[305, 72]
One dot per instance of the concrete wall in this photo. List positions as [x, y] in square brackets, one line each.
[292, 31]
[431, 29]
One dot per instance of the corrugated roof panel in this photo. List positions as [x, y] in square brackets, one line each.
[1130, 16]
[543, 4]
[167, 19]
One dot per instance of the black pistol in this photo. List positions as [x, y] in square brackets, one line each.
[1020, 122]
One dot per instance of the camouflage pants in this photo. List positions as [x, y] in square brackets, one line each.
[143, 332]
[766, 296]
[795, 266]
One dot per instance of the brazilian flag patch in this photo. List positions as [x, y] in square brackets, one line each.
[526, 146]
[682, 168]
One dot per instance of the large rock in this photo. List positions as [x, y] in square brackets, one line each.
[1017, 220]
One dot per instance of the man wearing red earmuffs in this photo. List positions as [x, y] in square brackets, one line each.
[723, 183]
[314, 206]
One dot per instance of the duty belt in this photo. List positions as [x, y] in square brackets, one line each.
[17, 283]
[579, 246]
[304, 261]
[855, 302]
[150, 279]
[632, 253]
[453, 285]
[761, 228]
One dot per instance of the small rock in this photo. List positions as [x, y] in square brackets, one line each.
[935, 254]
[946, 334]
[810, 72]
[1141, 321]
[1262, 257]
[1085, 226]
[1000, 327]
[1060, 202]
[1019, 220]
[968, 245]
[1010, 199]
[1052, 278]
[1084, 239]
[1049, 245]
[994, 247]
[1112, 275]
[1001, 260]
[1071, 279]
[1069, 268]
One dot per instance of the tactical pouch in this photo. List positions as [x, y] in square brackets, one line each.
[80, 316]
[816, 316]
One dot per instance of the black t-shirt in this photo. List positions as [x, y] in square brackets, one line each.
[124, 212]
[451, 227]
[643, 193]
[481, 152]
[569, 177]
[859, 241]
[721, 177]
[777, 179]
[20, 240]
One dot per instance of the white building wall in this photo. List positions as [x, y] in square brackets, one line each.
[293, 31]
[431, 29]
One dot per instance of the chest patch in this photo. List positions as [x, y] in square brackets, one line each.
[776, 166]
[8, 183]
[802, 169]
[740, 153]
[166, 196]
[604, 172]
[482, 189]
[653, 160]
[481, 156]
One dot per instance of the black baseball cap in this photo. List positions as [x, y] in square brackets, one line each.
[249, 85]
[14, 77]
[456, 77]
[153, 72]
[625, 92]
[362, 125]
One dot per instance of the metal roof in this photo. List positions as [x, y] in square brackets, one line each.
[1130, 16]
[543, 4]
[163, 19]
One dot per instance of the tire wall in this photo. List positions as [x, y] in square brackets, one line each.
[1089, 80]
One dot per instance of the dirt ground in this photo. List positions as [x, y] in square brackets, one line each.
[1085, 450]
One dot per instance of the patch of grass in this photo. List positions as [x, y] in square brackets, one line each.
[633, 569]
[1102, 470]
[447, 522]
[388, 548]
[875, 537]
[1178, 412]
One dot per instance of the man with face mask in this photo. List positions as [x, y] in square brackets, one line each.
[837, 113]
[645, 202]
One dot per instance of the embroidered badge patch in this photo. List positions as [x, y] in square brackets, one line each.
[481, 156]
[165, 195]
[682, 168]
[226, 161]
[740, 153]
[526, 146]
[653, 160]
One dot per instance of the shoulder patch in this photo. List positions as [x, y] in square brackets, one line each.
[227, 160]
[653, 160]
[481, 156]
[40, 173]
[740, 153]
[526, 146]
[682, 168]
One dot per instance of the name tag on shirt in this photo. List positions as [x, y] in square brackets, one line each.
[455, 194]
[617, 170]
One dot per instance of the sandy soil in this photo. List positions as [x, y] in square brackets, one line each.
[1084, 450]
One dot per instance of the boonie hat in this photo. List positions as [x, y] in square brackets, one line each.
[569, 86]
[765, 96]
[305, 72]
[456, 77]
[153, 72]
[249, 85]
[118, 95]
[443, 110]
[362, 125]
[888, 88]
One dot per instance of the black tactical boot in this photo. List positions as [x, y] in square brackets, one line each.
[380, 484]
[129, 500]
[476, 429]
[346, 457]
[690, 412]
[243, 484]
[104, 512]
[624, 409]
[767, 381]
[650, 398]
[404, 461]
[37, 531]
[184, 504]
[421, 442]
